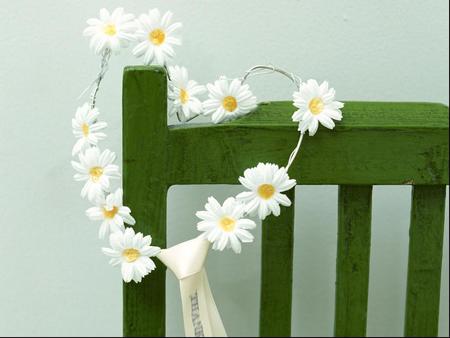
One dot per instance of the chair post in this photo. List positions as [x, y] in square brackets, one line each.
[353, 260]
[276, 272]
[145, 190]
[425, 260]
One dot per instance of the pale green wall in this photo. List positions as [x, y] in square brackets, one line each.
[53, 278]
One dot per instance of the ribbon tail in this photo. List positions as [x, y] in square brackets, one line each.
[217, 328]
[200, 314]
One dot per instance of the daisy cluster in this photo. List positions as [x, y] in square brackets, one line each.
[96, 169]
[225, 225]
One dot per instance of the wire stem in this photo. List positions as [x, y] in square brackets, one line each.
[269, 69]
[103, 69]
[294, 152]
[96, 83]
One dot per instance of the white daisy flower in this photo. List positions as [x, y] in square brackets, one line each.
[224, 226]
[133, 252]
[156, 37]
[228, 100]
[183, 93]
[86, 128]
[266, 183]
[111, 211]
[96, 169]
[316, 104]
[110, 31]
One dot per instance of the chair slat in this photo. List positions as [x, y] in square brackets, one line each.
[145, 190]
[353, 259]
[424, 262]
[276, 273]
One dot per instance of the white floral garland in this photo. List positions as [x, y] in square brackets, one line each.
[224, 225]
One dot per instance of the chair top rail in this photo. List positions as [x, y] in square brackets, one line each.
[376, 143]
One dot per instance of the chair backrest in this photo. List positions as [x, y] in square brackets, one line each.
[376, 143]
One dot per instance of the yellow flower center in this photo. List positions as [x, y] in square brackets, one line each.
[229, 103]
[110, 30]
[110, 213]
[157, 36]
[316, 105]
[96, 173]
[131, 255]
[184, 96]
[85, 129]
[266, 191]
[227, 224]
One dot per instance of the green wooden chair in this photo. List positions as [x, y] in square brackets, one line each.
[376, 143]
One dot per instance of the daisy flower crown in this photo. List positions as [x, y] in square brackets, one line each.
[226, 225]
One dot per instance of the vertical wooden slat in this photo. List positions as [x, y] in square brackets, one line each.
[424, 263]
[145, 190]
[276, 273]
[353, 259]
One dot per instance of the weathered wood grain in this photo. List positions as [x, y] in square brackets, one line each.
[353, 259]
[276, 273]
[145, 190]
[425, 261]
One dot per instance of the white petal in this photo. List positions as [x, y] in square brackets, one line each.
[206, 215]
[128, 237]
[214, 207]
[287, 185]
[326, 121]
[148, 263]
[110, 252]
[235, 244]
[214, 235]
[246, 196]
[313, 127]
[127, 218]
[127, 272]
[251, 206]
[244, 236]
[228, 205]
[95, 213]
[150, 251]
[206, 225]
[282, 199]
[78, 167]
[222, 243]
[247, 183]
[219, 115]
[274, 207]
[103, 230]
[263, 210]
[173, 27]
[245, 223]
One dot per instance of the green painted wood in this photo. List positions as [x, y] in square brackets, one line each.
[145, 190]
[372, 145]
[276, 273]
[425, 261]
[353, 259]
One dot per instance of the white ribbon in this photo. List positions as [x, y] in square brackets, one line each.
[186, 260]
